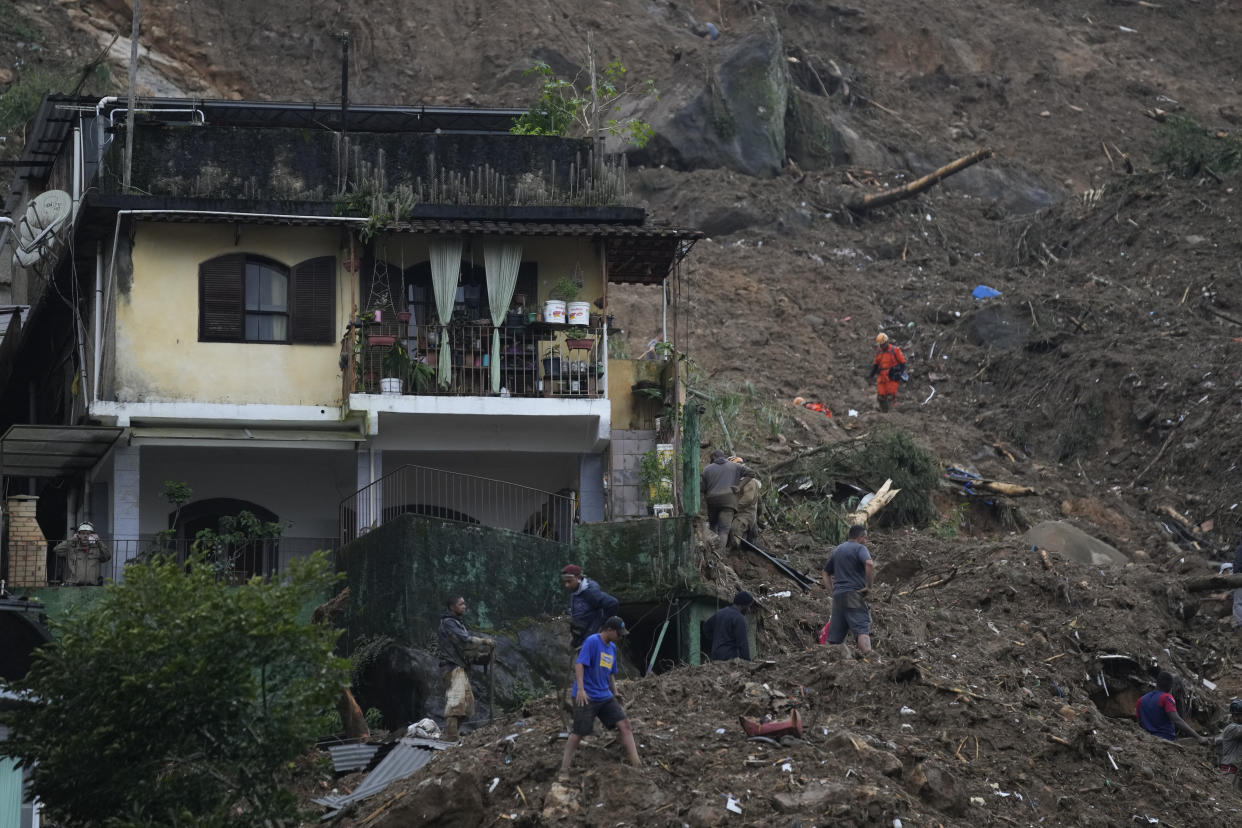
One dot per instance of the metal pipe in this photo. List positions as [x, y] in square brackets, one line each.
[112, 113]
[97, 337]
[116, 235]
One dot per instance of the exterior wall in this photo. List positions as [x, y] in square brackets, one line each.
[627, 449]
[158, 355]
[27, 544]
[303, 487]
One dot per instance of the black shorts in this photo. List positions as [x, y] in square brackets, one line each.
[609, 712]
[850, 613]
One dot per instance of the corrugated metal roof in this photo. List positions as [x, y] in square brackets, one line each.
[535, 228]
[7, 315]
[406, 758]
[346, 758]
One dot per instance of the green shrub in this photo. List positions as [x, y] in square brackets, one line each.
[1189, 150]
[177, 700]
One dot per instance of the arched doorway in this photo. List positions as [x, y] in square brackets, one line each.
[258, 557]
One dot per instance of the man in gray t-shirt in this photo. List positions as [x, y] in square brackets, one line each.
[849, 573]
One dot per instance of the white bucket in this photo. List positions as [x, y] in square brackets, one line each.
[579, 313]
[554, 311]
[390, 386]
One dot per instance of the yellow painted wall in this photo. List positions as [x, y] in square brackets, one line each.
[158, 355]
[629, 412]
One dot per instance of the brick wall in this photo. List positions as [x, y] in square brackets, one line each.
[27, 545]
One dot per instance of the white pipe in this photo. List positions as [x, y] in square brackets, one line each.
[99, 322]
[99, 125]
[116, 235]
[77, 172]
[194, 110]
[664, 310]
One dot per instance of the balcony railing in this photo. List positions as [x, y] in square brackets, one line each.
[236, 564]
[535, 361]
[465, 498]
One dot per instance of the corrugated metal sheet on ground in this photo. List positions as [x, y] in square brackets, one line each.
[346, 758]
[403, 761]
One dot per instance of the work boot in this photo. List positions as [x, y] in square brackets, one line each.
[883, 402]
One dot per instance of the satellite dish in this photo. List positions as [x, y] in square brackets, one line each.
[36, 232]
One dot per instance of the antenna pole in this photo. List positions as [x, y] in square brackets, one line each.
[344, 83]
[133, 92]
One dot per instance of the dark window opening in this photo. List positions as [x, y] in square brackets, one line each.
[252, 299]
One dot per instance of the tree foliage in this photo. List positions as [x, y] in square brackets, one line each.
[177, 700]
[590, 107]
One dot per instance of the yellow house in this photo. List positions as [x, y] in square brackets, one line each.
[262, 317]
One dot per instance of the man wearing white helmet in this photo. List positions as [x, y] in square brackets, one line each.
[888, 367]
[83, 553]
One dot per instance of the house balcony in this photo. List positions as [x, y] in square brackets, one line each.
[552, 395]
[536, 360]
[235, 563]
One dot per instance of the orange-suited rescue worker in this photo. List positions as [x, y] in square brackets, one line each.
[887, 358]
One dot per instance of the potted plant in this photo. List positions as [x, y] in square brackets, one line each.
[396, 365]
[564, 289]
[422, 375]
[577, 337]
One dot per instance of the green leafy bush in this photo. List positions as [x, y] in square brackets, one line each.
[1188, 149]
[177, 700]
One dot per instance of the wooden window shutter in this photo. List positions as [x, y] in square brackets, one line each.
[312, 305]
[222, 299]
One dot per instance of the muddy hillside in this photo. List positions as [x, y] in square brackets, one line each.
[1099, 377]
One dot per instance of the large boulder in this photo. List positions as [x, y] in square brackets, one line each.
[1071, 542]
[734, 120]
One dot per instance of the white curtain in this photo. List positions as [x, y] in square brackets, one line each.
[445, 269]
[500, 261]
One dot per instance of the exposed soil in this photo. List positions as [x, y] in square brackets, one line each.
[1105, 376]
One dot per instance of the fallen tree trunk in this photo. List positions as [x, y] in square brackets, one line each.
[871, 202]
[881, 498]
[1214, 582]
[1010, 489]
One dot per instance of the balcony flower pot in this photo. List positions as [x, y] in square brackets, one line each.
[391, 386]
[381, 340]
[403, 316]
[584, 343]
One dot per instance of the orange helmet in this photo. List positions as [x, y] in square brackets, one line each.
[798, 400]
[881, 338]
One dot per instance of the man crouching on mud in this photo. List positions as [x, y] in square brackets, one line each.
[595, 692]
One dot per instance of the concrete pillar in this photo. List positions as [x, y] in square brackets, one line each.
[27, 545]
[369, 506]
[591, 488]
[690, 459]
[125, 500]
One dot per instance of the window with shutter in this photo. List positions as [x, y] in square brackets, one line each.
[313, 305]
[252, 299]
[221, 294]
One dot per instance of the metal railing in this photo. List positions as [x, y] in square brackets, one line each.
[236, 564]
[535, 361]
[465, 498]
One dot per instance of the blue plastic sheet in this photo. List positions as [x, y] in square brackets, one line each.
[984, 292]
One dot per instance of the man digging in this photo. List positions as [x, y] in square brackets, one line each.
[595, 693]
[849, 574]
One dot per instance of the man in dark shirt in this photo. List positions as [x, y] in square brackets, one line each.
[724, 634]
[458, 650]
[849, 573]
[1157, 712]
[717, 482]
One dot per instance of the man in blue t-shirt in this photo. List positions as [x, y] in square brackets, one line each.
[849, 573]
[595, 692]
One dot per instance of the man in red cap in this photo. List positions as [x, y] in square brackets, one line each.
[588, 607]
